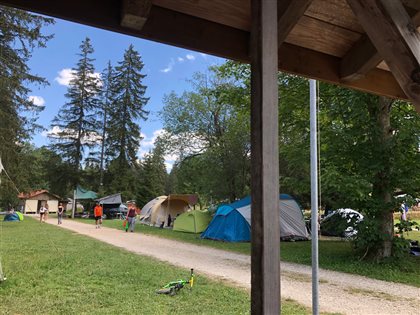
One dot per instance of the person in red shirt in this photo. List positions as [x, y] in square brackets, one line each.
[97, 212]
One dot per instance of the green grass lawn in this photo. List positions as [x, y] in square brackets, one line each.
[54, 271]
[334, 255]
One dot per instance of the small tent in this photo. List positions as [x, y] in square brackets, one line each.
[195, 221]
[228, 225]
[232, 222]
[15, 216]
[157, 211]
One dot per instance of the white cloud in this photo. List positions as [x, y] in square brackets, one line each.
[173, 61]
[66, 75]
[190, 57]
[67, 134]
[36, 100]
[97, 76]
[148, 143]
[169, 67]
[169, 166]
[204, 55]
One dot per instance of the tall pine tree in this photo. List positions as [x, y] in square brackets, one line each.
[153, 176]
[77, 119]
[97, 156]
[20, 34]
[127, 109]
[107, 99]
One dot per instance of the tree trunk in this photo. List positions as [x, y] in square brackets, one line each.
[382, 188]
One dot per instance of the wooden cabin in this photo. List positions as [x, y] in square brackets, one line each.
[35, 199]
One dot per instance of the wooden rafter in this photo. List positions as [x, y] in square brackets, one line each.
[289, 13]
[134, 13]
[413, 4]
[359, 60]
[396, 38]
[363, 56]
[182, 30]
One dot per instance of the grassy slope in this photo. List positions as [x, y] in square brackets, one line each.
[54, 271]
[333, 255]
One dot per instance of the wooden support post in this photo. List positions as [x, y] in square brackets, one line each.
[134, 13]
[265, 252]
[394, 35]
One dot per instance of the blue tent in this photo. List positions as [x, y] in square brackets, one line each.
[12, 217]
[232, 222]
[228, 225]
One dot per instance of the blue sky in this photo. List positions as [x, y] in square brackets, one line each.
[167, 69]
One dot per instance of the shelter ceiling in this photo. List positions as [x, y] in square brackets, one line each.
[326, 43]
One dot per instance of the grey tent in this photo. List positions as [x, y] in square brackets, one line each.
[114, 199]
[111, 205]
[292, 222]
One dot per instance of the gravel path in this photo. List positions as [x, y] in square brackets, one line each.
[339, 292]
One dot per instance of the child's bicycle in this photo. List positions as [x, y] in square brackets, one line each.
[173, 287]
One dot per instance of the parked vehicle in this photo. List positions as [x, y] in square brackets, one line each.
[341, 222]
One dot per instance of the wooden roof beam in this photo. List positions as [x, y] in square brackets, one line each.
[413, 4]
[363, 56]
[396, 38]
[289, 13]
[174, 28]
[359, 60]
[134, 13]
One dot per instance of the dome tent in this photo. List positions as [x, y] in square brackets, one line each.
[228, 225]
[195, 221]
[157, 211]
[14, 216]
[232, 222]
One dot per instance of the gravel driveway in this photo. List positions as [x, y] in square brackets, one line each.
[339, 292]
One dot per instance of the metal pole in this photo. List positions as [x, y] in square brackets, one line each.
[314, 198]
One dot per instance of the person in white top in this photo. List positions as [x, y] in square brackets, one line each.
[42, 213]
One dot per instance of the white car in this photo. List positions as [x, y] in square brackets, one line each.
[351, 215]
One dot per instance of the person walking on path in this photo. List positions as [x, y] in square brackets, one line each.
[42, 213]
[131, 217]
[97, 212]
[60, 213]
[47, 209]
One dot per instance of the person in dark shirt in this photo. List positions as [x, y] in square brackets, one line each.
[60, 213]
[131, 216]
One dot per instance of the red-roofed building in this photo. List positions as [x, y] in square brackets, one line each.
[35, 199]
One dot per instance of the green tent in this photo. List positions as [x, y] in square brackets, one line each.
[82, 193]
[195, 221]
[20, 215]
